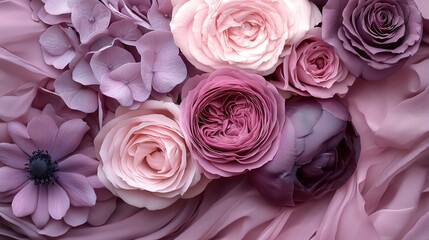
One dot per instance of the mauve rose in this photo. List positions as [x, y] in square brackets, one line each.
[318, 153]
[231, 121]
[144, 159]
[373, 38]
[249, 35]
[313, 69]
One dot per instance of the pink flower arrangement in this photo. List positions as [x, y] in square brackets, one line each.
[191, 119]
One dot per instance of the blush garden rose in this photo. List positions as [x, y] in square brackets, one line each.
[249, 35]
[144, 159]
[231, 120]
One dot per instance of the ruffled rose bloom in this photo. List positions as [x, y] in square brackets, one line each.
[318, 153]
[373, 38]
[250, 35]
[313, 69]
[144, 159]
[231, 120]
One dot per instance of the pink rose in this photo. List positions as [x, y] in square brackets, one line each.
[313, 69]
[232, 121]
[144, 159]
[250, 35]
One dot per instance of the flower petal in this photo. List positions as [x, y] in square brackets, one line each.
[76, 216]
[41, 215]
[58, 202]
[11, 155]
[57, 7]
[25, 201]
[79, 163]
[78, 189]
[42, 129]
[69, 137]
[75, 95]
[19, 134]
[11, 178]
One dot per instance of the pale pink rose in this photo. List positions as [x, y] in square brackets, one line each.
[314, 69]
[144, 159]
[250, 35]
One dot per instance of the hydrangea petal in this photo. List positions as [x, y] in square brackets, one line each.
[82, 72]
[89, 17]
[74, 95]
[161, 62]
[109, 59]
[57, 7]
[127, 76]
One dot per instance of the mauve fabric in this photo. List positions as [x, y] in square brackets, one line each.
[22, 68]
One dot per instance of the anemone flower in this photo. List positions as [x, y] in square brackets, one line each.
[41, 175]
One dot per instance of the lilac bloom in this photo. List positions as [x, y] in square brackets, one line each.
[41, 171]
[75, 95]
[57, 7]
[160, 61]
[59, 46]
[159, 14]
[125, 84]
[108, 59]
[89, 17]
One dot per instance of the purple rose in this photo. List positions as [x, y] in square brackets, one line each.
[318, 153]
[373, 38]
[313, 69]
[231, 121]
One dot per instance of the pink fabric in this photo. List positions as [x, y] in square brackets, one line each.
[22, 66]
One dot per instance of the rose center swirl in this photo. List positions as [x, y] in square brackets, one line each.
[228, 119]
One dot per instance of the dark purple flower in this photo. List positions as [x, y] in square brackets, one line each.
[318, 153]
[373, 38]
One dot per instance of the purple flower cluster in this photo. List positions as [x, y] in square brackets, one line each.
[121, 50]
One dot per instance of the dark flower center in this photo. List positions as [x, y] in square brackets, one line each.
[41, 168]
